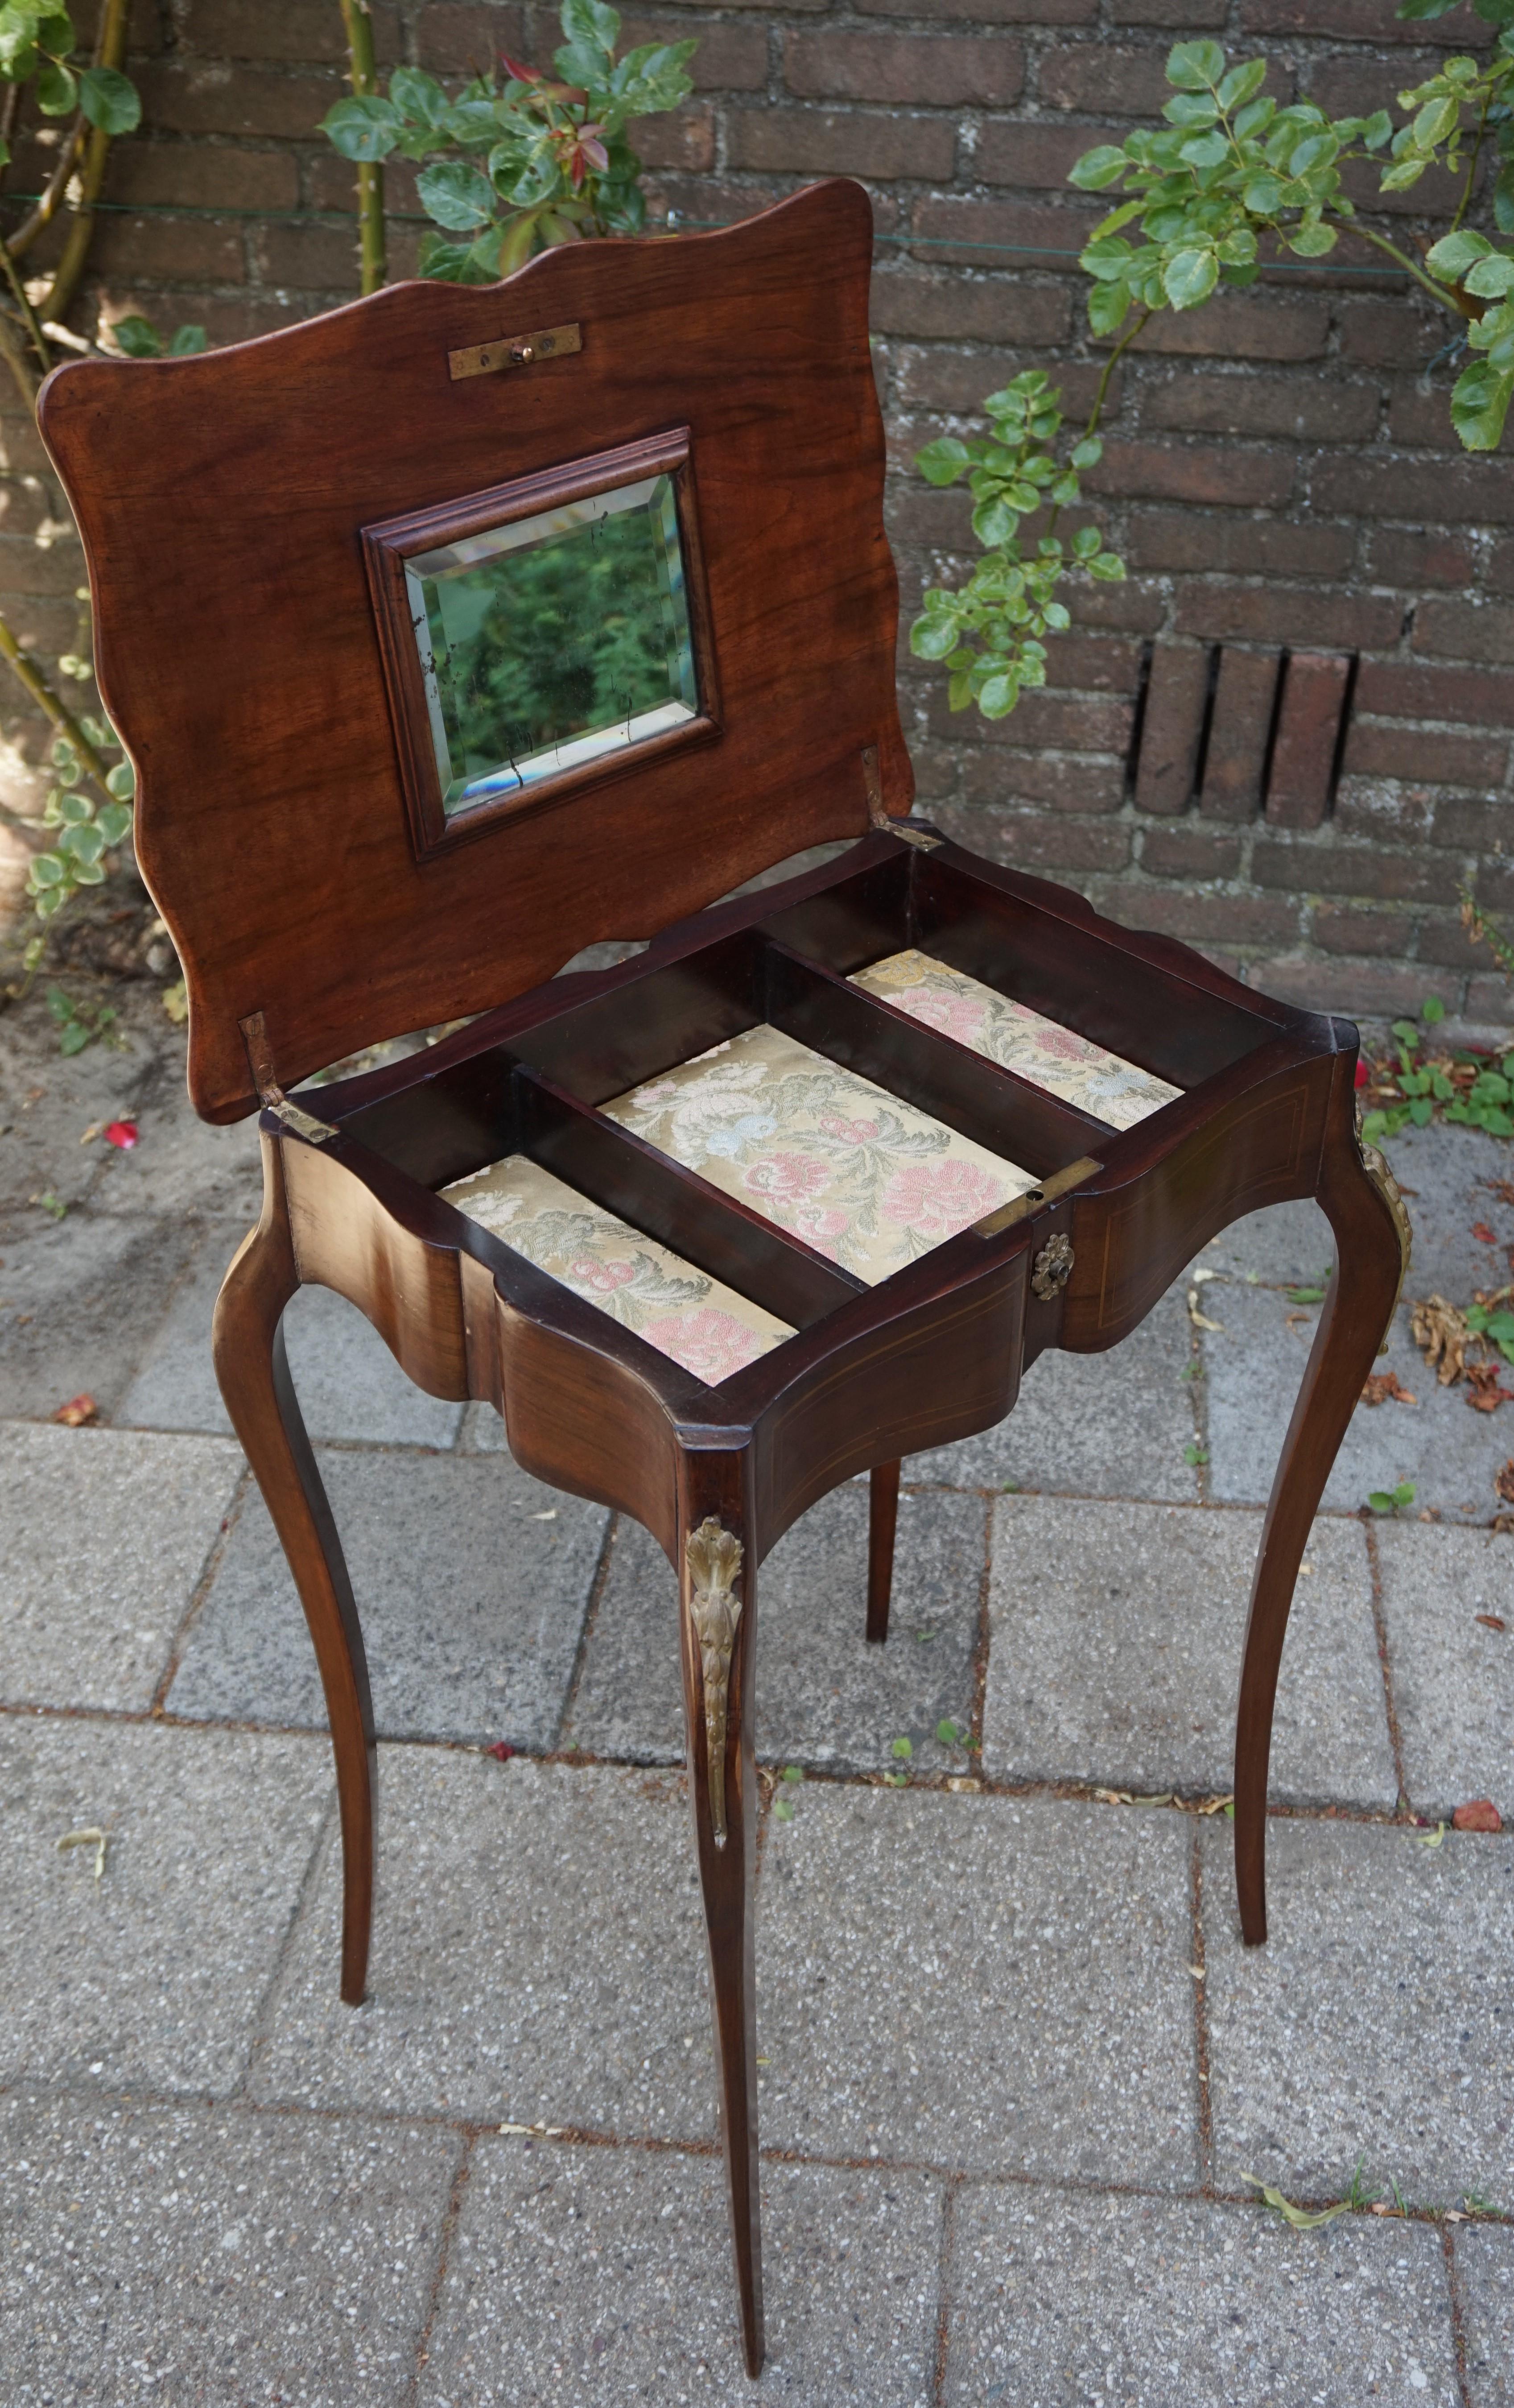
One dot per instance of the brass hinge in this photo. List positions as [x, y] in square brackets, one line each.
[878, 817]
[270, 1094]
[1020, 1208]
[514, 351]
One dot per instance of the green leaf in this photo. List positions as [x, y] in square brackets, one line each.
[1088, 453]
[420, 97]
[1240, 84]
[782, 1809]
[994, 523]
[456, 195]
[1107, 567]
[1312, 241]
[48, 869]
[932, 639]
[793, 1773]
[1480, 404]
[1190, 277]
[1195, 1454]
[1191, 109]
[943, 462]
[57, 89]
[904, 1748]
[1422, 1112]
[363, 126]
[83, 844]
[75, 809]
[1085, 543]
[1302, 2219]
[948, 1732]
[1432, 1011]
[1491, 278]
[114, 821]
[999, 697]
[1107, 306]
[591, 25]
[1194, 66]
[186, 340]
[109, 100]
[1205, 150]
[122, 780]
[1097, 169]
[138, 337]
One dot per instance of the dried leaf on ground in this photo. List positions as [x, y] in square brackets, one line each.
[1491, 1621]
[1383, 1385]
[1485, 1394]
[1201, 1320]
[1443, 1335]
[1478, 1814]
[1302, 2219]
[1502, 1188]
[91, 1837]
[77, 1411]
[1504, 1483]
[1484, 1236]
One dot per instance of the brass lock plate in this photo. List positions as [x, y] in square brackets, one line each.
[514, 351]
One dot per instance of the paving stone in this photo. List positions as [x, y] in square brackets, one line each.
[1058, 2302]
[1448, 1173]
[605, 2274]
[153, 1975]
[1453, 1676]
[81, 1302]
[1116, 1650]
[48, 1100]
[1112, 1425]
[1252, 1374]
[204, 2255]
[983, 1983]
[1485, 2279]
[472, 1581]
[824, 1697]
[538, 1956]
[1285, 1246]
[348, 1384]
[103, 1536]
[1378, 2020]
[182, 1164]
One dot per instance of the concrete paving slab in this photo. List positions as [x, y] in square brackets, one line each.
[1484, 2259]
[1111, 1424]
[151, 1976]
[180, 1163]
[195, 2253]
[980, 1983]
[605, 2274]
[1061, 2300]
[103, 1536]
[1448, 1173]
[824, 1697]
[1253, 1368]
[1377, 2024]
[48, 1100]
[472, 1581]
[348, 1384]
[1281, 1247]
[81, 1300]
[1453, 1671]
[1117, 1638]
[538, 1956]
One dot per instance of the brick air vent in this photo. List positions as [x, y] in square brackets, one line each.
[1245, 734]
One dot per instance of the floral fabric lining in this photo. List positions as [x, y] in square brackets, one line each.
[682, 1312]
[857, 1173]
[1042, 1051]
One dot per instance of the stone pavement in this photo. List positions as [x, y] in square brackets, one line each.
[1017, 2068]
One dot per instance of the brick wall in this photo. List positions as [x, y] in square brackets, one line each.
[1287, 738]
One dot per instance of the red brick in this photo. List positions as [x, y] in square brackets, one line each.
[907, 301]
[1215, 919]
[1193, 472]
[205, 98]
[278, 29]
[51, 569]
[1092, 77]
[1244, 694]
[1189, 853]
[1405, 556]
[1421, 421]
[309, 258]
[163, 172]
[1447, 942]
[1309, 728]
[986, 12]
[1185, 539]
[1368, 870]
[1024, 841]
[730, 58]
[1278, 615]
[1357, 21]
[1499, 575]
[1060, 722]
[935, 766]
[1359, 992]
[1489, 1002]
[461, 40]
[1476, 491]
[1242, 326]
[1171, 728]
[1495, 887]
[1344, 930]
[684, 138]
[1418, 690]
[1093, 663]
[1036, 156]
[954, 229]
[1313, 411]
[1183, 16]
[1475, 823]
[1389, 333]
[1383, 808]
[941, 521]
[1134, 607]
[1375, 751]
[828, 142]
[1062, 782]
[917, 70]
[1468, 631]
[171, 251]
[1345, 85]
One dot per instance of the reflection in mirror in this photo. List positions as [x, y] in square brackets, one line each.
[553, 640]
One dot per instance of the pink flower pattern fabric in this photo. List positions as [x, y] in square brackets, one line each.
[1039, 1050]
[644, 1286]
[857, 1173]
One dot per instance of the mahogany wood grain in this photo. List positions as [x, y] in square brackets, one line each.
[882, 1522]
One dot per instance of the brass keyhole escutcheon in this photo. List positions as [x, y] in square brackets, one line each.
[1052, 1267]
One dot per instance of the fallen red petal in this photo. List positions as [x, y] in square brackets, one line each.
[1478, 1814]
[502, 1750]
[77, 1411]
[122, 1132]
[1483, 1235]
[1363, 1073]
[1491, 1621]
